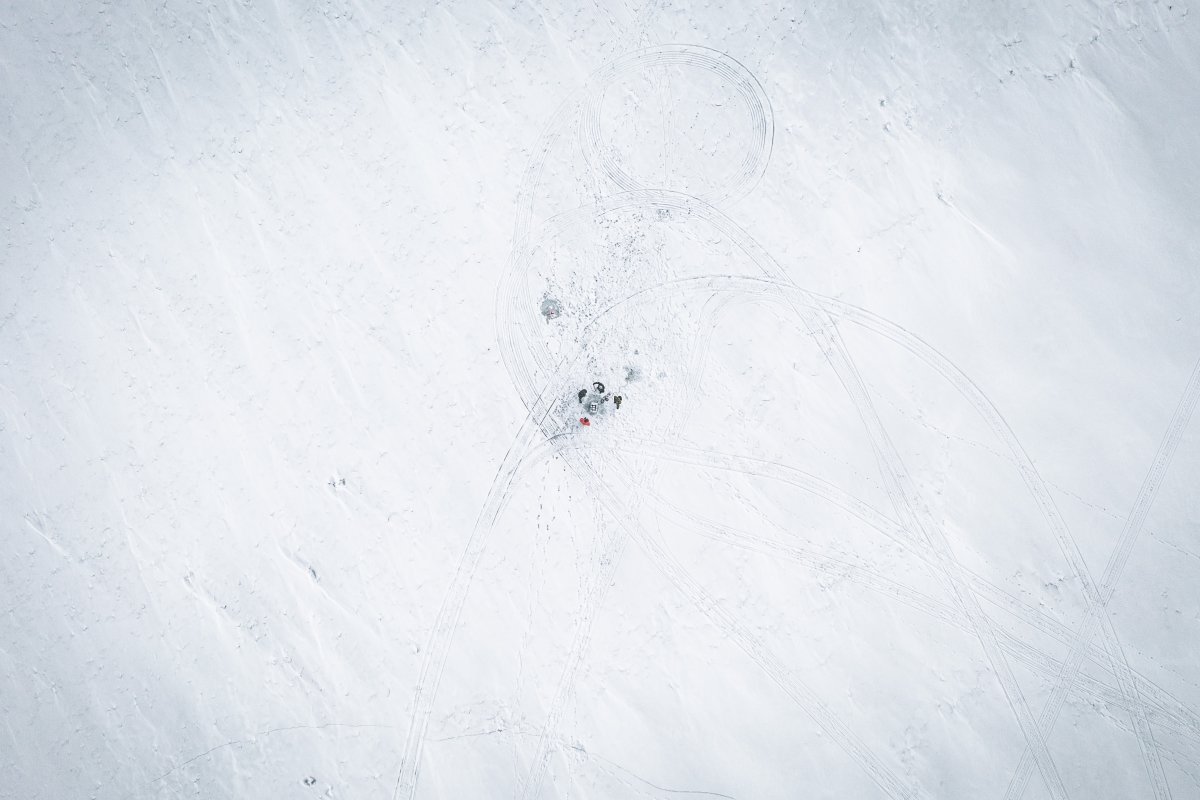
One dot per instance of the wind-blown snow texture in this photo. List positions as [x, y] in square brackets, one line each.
[903, 302]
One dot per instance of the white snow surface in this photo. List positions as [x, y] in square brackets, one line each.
[902, 300]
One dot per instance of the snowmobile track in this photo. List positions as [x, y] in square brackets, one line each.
[1112, 574]
[747, 172]
[541, 437]
[695, 208]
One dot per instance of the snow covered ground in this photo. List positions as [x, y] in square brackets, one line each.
[902, 300]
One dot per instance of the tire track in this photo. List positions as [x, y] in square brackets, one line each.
[893, 530]
[517, 357]
[767, 287]
[1112, 575]
[747, 173]
[539, 437]
[1093, 691]
[599, 581]
[996, 422]
[603, 573]
[906, 502]
[533, 443]
[694, 207]
[755, 649]
[433, 662]
[1043, 497]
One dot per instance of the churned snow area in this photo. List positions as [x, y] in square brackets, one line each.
[314, 480]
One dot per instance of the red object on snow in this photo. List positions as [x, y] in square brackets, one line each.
[584, 421]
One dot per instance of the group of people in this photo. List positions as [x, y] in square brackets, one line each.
[593, 401]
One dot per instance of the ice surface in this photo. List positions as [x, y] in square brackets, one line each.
[902, 299]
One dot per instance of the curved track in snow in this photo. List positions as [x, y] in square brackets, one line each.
[545, 383]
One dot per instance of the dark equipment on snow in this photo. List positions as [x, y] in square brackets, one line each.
[593, 401]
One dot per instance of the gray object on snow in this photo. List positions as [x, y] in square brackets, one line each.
[551, 308]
